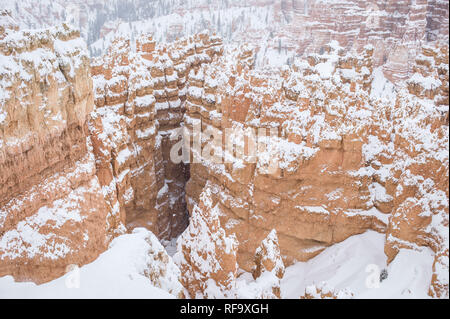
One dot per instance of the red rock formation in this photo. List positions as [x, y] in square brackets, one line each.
[342, 147]
[52, 210]
[396, 29]
[253, 201]
[206, 255]
[420, 212]
[71, 179]
[352, 151]
[139, 105]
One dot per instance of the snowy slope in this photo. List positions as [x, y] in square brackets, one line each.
[351, 263]
[117, 273]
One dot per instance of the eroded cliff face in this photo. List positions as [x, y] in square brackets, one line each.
[140, 101]
[396, 29]
[52, 210]
[353, 153]
[87, 154]
[84, 156]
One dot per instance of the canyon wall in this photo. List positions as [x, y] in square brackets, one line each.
[396, 29]
[86, 151]
[353, 153]
[52, 210]
[140, 101]
[281, 29]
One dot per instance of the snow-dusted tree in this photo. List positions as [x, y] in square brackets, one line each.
[269, 268]
[205, 254]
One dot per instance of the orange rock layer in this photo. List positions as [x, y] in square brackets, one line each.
[354, 153]
[140, 98]
[52, 210]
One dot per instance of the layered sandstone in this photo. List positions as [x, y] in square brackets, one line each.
[140, 101]
[351, 151]
[255, 201]
[52, 210]
[284, 28]
[396, 29]
[420, 212]
[82, 160]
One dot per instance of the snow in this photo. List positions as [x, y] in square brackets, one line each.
[372, 212]
[325, 69]
[345, 266]
[2, 115]
[170, 246]
[144, 134]
[117, 273]
[120, 273]
[335, 195]
[378, 193]
[68, 53]
[381, 87]
[374, 147]
[261, 288]
[144, 101]
[428, 83]
[123, 156]
[314, 209]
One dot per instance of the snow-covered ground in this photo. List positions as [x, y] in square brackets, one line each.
[354, 262]
[118, 273]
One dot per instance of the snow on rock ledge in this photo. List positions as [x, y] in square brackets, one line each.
[356, 153]
[205, 255]
[134, 266]
[52, 210]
